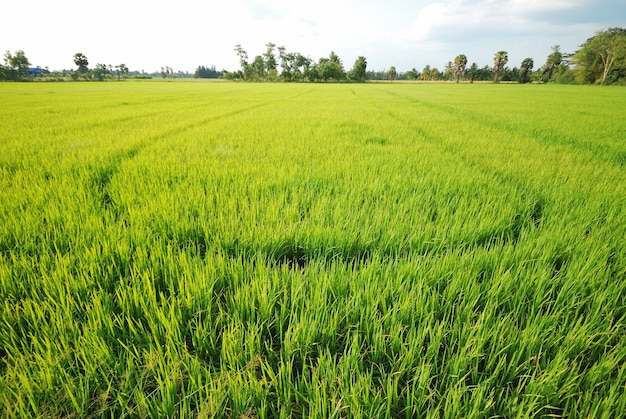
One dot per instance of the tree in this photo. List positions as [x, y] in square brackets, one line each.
[525, 70]
[428, 73]
[337, 72]
[257, 69]
[327, 69]
[17, 63]
[459, 66]
[392, 73]
[122, 70]
[167, 72]
[203, 72]
[563, 73]
[5, 73]
[376, 74]
[270, 61]
[243, 61]
[510, 74]
[359, 70]
[81, 61]
[321, 71]
[412, 74]
[602, 57]
[552, 62]
[472, 72]
[101, 71]
[448, 71]
[301, 66]
[286, 62]
[499, 61]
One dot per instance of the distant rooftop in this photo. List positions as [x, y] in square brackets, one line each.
[33, 71]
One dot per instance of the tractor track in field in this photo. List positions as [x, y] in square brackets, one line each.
[536, 215]
[533, 216]
[101, 176]
[547, 136]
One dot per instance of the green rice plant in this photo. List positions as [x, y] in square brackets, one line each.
[287, 250]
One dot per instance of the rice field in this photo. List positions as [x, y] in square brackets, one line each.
[190, 249]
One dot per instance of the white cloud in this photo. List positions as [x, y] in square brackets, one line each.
[446, 19]
[147, 35]
[430, 19]
[539, 6]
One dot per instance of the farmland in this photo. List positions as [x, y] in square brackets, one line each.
[182, 249]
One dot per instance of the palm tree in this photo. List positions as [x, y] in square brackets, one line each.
[81, 61]
[499, 61]
[426, 72]
[448, 71]
[525, 69]
[459, 66]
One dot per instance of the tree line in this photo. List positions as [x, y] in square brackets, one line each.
[556, 69]
[295, 67]
[601, 59]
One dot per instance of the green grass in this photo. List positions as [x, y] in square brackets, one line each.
[299, 250]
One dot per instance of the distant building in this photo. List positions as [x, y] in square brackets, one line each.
[36, 71]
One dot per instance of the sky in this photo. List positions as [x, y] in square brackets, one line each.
[183, 34]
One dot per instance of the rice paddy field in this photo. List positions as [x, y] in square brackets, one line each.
[191, 249]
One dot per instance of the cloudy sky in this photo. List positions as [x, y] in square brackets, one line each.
[147, 35]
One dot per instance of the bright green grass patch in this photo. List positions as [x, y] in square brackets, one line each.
[299, 250]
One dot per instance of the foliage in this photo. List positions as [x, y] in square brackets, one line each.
[16, 65]
[359, 70]
[526, 70]
[499, 61]
[327, 69]
[203, 72]
[167, 72]
[430, 73]
[243, 60]
[460, 61]
[294, 65]
[265, 68]
[81, 61]
[269, 58]
[102, 72]
[333, 69]
[448, 71]
[376, 74]
[602, 58]
[553, 61]
[412, 74]
[237, 250]
[563, 75]
[473, 72]
[122, 71]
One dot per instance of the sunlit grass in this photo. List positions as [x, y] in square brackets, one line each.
[238, 250]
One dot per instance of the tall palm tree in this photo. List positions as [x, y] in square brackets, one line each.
[459, 66]
[499, 61]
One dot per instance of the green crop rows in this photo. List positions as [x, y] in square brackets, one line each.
[194, 249]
